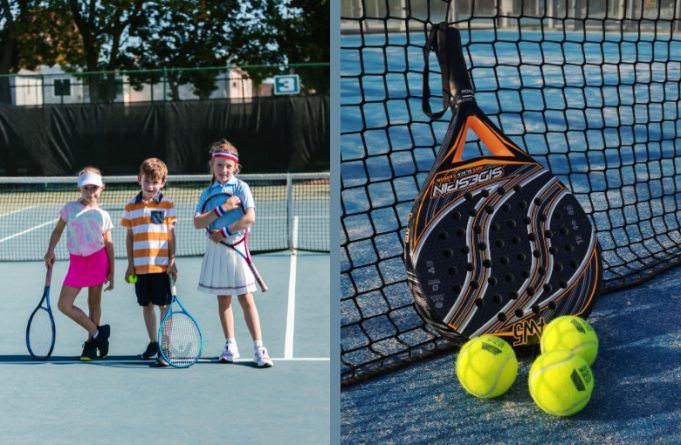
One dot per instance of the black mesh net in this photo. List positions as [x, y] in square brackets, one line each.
[589, 88]
[292, 212]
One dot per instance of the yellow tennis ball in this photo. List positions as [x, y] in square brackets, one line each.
[132, 279]
[561, 382]
[486, 366]
[573, 333]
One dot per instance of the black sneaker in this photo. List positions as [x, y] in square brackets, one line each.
[152, 350]
[160, 363]
[102, 340]
[89, 351]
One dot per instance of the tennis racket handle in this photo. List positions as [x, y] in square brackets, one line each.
[258, 279]
[48, 277]
[456, 80]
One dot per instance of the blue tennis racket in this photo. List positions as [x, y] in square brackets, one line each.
[179, 336]
[40, 330]
[237, 241]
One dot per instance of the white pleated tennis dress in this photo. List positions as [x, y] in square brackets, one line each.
[223, 271]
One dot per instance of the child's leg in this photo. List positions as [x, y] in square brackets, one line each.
[94, 304]
[251, 315]
[150, 321]
[67, 296]
[162, 311]
[226, 315]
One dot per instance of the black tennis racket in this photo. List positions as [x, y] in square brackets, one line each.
[238, 241]
[179, 336]
[40, 330]
[495, 244]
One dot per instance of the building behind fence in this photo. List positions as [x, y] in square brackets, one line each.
[54, 85]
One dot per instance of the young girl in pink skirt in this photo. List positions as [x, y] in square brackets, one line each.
[91, 260]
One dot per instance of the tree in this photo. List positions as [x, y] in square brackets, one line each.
[299, 29]
[32, 33]
[104, 26]
[198, 33]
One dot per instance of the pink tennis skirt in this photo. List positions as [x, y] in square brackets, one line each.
[87, 271]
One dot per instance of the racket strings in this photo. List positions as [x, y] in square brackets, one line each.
[180, 339]
[41, 334]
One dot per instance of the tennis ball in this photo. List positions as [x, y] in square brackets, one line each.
[132, 279]
[561, 382]
[573, 333]
[486, 366]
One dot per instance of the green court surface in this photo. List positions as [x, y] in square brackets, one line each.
[122, 399]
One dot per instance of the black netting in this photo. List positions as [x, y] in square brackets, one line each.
[589, 89]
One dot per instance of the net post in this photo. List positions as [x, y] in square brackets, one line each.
[289, 211]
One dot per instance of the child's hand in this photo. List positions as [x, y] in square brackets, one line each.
[172, 268]
[216, 236]
[232, 203]
[49, 259]
[110, 280]
[129, 272]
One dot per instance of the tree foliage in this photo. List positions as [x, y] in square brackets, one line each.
[96, 35]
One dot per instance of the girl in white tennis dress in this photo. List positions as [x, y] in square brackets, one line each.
[224, 272]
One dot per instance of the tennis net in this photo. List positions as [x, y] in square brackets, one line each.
[292, 212]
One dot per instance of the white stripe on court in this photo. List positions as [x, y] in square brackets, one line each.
[7, 238]
[291, 311]
[23, 209]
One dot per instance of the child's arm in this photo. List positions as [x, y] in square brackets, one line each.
[245, 222]
[172, 267]
[54, 239]
[203, 220]
[108, 245]
[241, 224]
[128, 249]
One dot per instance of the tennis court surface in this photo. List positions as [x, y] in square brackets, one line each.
[635, 398]
[124, 398]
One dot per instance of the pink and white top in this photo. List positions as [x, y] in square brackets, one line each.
[85, 226]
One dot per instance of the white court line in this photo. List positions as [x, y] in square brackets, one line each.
[18, 210]
[7, 238]
[291, 311]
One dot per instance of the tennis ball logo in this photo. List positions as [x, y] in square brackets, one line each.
[486, 366]
[561, 383]
[571, 333]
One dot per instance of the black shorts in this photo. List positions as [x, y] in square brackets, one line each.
[153, 288]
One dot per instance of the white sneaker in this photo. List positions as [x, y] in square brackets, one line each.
[229, 353]
[262, 358]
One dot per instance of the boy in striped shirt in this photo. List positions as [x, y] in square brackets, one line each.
[150, 243]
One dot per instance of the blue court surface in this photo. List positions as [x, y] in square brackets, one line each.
[123, 400]
[386, 151]
[636, 397]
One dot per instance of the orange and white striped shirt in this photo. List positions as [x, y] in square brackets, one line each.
[151, 223]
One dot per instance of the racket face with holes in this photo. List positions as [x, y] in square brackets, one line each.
[496, 244]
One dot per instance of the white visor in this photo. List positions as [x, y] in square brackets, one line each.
[89, 178]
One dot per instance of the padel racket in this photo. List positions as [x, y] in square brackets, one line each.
[179, 336]
[237, 241]
[40, 330]
[495, 244]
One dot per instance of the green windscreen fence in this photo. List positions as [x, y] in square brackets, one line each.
[590, 89]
